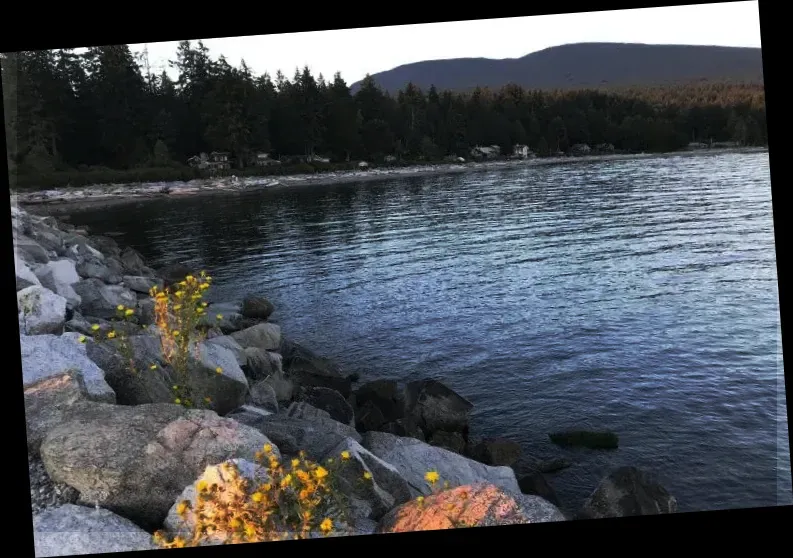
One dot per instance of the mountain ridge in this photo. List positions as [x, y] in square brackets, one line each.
[581, 65]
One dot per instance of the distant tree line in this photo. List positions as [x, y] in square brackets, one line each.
[106, 109]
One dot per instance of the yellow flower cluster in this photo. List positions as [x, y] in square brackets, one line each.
[177, 315]
[295, 500]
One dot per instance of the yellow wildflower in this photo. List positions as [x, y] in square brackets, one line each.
[177, 401]
[179, 294]
[367, 475]
[189, 278]
[420, 500]
[111, 335]
[268, 448]
[235, 523]
[250, 530]
[179, 542]
[181, 508]
[432, 477]
[204, 304]
[82, 339]
[326, 525]
[129, 312]
[154, 367]
[176, 333]
[257, 497]
[295, 462]
[320, 472]
[345, 455]
[95, 327]
[219, 370]
[202, 485]
[219, 316]
[177, 307]
[286, 480]
[120, 307]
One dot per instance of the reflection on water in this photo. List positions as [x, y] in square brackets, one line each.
[638, 296]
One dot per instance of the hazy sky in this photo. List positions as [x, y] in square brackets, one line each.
[356, 52]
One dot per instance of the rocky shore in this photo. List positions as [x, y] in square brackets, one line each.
[112, 454]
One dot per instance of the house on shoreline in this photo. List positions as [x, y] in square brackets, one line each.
[262, 159]
[217, 160]
[486, 152]
[521, 151]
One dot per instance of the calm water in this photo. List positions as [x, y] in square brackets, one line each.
[638, 296]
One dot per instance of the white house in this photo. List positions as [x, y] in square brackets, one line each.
[521, 151]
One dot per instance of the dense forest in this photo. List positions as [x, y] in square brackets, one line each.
[104, 114]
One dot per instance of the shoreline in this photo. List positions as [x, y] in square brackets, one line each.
[98, 196]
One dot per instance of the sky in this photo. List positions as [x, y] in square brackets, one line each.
[356, 52]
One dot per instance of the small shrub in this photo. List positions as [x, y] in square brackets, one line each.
[177, 317]
[298, 498]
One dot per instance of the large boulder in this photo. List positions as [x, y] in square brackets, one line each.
[263, 395]
[49, 402]
[365, 477]
[225, 316]
[59, 276]
[628, 491]
[536, 484]
[106, 245]
[385, 395]
[101, 300]
[133, 264]
[414, 458]
[257, 308]
[141, 284]
[476, 505]
[496, 451]
[313, 432]
[144, 380]
[30, 250]
[215, 374]
[136, 460]
[75, 530]
[41, 311]
[233, 346]
[106, 270]
[259, 364]
[25, 277]
[306, 368]
[265, 336]
[328, 400]
[48, 356]
[437, 407]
